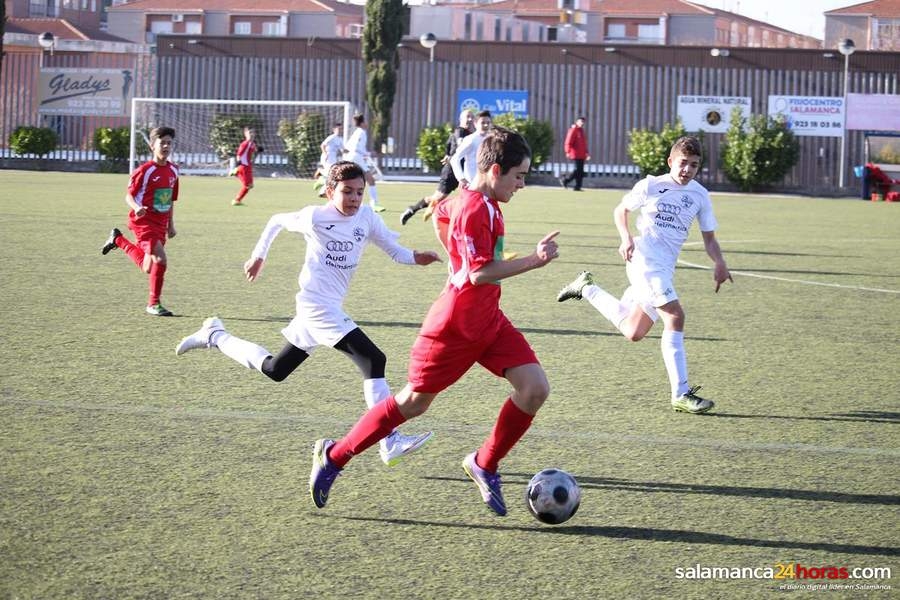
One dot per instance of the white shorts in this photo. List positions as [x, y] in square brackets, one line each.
[317, 325]
[360, 161]
[649, 288]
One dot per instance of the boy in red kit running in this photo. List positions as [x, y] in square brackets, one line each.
[151, 196]
[465, 326]
[246, 152]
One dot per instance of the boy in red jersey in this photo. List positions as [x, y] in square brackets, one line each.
[246, 152]
[151, 196]
[465, 325]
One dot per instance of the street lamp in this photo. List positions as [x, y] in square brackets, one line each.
[429, 41]
[47, 41]
[846, 47]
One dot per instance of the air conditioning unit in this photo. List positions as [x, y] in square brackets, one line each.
[177, 18]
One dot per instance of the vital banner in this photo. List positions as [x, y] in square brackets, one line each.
[499, 102]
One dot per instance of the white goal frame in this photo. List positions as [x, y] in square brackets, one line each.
[135, 102]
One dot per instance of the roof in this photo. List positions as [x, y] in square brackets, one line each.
[60, 28]
[876, 8]
[239, 6]
[651, 7]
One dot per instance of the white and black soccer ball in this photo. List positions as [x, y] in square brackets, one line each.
[553, 496]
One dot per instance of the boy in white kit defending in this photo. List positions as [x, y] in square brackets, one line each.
[669, 204]
[336, 234]
[357, 152]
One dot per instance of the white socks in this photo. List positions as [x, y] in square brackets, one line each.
[672, 346]
[373, 195]
[609, 306]
[375, 390]
[246, 353]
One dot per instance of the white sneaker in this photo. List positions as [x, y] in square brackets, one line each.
[395, 446]
[202, 337]
[690, 402]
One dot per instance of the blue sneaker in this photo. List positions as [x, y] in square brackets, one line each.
[323, 473]
[488, 484]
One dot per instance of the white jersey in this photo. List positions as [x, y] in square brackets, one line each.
[467, 150]
[667, 210]
[334, 246]
[356, 147]
[332, 154]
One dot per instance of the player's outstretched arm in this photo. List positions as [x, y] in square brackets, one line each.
[253, 267]
[545, 251]
[426, 258]
[721, 274]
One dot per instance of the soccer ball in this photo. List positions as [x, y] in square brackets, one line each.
[553, 496]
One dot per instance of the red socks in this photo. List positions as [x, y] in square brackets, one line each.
[511, 425]
[377, 423]
[241, 194]
[157, 273]
[134, 252]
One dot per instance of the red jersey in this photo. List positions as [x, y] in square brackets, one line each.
[245, 152]
[155, 187]
[475, 239]
[576, 144]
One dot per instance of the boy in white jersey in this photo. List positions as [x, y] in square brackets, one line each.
[336, 234]
[668, 205]
[356, 152]
[465, 160]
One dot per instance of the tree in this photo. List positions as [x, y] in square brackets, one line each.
[385, 23]
[759, 154]
[649, 150]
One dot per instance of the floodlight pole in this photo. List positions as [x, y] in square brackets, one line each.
[429, 41]
[846, 47]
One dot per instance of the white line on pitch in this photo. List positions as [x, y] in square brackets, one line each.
[788, 280]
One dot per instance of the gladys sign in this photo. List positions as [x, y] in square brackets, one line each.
[93, 92]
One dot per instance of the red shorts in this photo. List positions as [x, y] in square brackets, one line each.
[245, 175]
[436, 363]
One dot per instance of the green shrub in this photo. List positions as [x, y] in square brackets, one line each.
[226, 132]
[649, 150]
[302, 141]
[113, 143]
[432, 145]
[538, 134]
[760, 155]
[33, 140]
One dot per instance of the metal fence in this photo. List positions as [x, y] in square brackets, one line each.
[618, 91]
[19, 96]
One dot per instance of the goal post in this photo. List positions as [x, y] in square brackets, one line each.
[208, 132]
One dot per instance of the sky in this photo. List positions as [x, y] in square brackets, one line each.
[800, 16]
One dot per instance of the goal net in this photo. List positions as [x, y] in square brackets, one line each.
[208, 132]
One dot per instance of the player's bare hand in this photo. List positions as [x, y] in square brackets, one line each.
[626, 249]
[253, 267]
[140, 212]
[172, 232]
[721, 275]
[547, 249]
[426, 258]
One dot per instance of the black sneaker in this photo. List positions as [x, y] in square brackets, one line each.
[407, 215]
[110, 242]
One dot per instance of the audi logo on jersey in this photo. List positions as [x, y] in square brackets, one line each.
[338, 246]
[670, 209]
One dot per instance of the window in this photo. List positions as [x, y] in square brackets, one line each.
[271, 28]
[161, 26]
[467, 33]
[648, 33]
[615, 30]
[525, 33]
[242, 28]
[551, 34]
[193, 27]
[496, 29]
